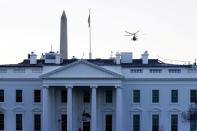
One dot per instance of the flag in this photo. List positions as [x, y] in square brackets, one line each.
[89, 19]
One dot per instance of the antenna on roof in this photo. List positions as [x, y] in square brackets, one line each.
[51, 48]
[111, 55]
[195, 62]
[82, 55]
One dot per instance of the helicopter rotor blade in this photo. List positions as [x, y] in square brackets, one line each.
[129, 33]
[137, 32]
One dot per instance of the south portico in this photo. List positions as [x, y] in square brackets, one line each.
[76, 77]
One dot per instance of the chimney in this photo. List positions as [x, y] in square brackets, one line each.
[63, 37]
[145, 57]
[32, 58]
[57, 58]
[126, 57]
[118, 58]
[52, 57]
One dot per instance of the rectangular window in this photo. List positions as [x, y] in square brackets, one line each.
[174, 96]
[86, 126]
[155, 70]
[1, 95]
[19, 122]
[174, 70]
[37, 122]
[1, 121]
[193, 125]
[37, 96]
[136, 71]
[86, 96]
[155, 96]
[136, 122]
[155, 122]
[174, 122]
[19, 96]
[108, 96]
[64, 122]
[19, 70]
[108, 123]
[193, 96]
[136, 96]
[37, 70]
[63, 96]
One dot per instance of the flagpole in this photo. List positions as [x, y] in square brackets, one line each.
[90, 50]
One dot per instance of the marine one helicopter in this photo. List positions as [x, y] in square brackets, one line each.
[134, 37]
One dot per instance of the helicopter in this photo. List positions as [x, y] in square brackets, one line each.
[134, 37]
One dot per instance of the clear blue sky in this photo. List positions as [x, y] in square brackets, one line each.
[33, 25]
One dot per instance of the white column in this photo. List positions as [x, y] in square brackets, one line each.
[69, 108]
[53, 119]
[119, 112]
[46, 112]
[93, 109]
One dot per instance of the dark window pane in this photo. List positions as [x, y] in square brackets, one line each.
[1, 95]
[174, 122]
[108, 97]
[37, 96]
[50, 56]
[86, 126]
[136, 122]
[155, 122]
[37, 122]
[1, 121]
[193, 125]
[155, 96]
[19, 122]
[64, 96]
[108, 122]
[64, 122]
[86, 96]
[136, 96]
[193, 96]
[174, 96]
[19, 96]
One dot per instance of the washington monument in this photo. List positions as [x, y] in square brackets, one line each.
[63, 37]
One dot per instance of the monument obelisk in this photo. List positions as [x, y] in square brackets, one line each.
[63, 37]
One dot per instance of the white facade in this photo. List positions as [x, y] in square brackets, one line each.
[81, 75]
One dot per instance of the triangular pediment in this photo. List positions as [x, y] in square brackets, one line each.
[81, 69]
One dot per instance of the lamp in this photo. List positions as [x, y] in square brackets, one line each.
[86, 116]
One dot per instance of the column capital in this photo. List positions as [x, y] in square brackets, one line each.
[69, 86]
[118, 86]
[93, 86]
[45, 86]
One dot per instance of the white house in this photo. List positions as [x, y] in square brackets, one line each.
[55, 93]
